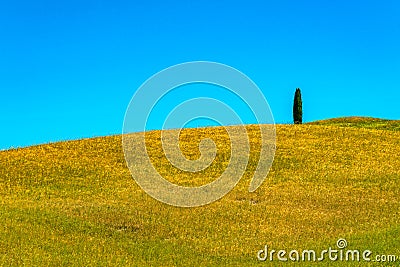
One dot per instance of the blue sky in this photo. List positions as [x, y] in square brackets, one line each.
[69, 68]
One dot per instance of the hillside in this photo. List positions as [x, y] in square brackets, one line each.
[75, 203]
[361, 122]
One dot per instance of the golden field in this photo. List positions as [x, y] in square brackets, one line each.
[75, 202]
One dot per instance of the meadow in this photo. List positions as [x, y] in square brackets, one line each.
[75, 202]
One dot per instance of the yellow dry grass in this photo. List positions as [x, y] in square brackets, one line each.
[76, 203]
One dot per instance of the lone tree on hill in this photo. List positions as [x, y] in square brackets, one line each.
[297, 108]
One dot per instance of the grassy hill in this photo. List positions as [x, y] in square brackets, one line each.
[361, 122]
[75, 203]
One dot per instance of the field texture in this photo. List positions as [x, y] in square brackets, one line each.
[75, 203]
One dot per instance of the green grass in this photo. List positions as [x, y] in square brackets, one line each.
[75, 203]
[361, 122]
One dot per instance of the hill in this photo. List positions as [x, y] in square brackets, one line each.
[361, 122]
[75, 203]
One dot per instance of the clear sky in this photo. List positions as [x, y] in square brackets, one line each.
[69, 68]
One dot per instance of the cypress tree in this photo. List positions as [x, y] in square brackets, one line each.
[297, 108]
